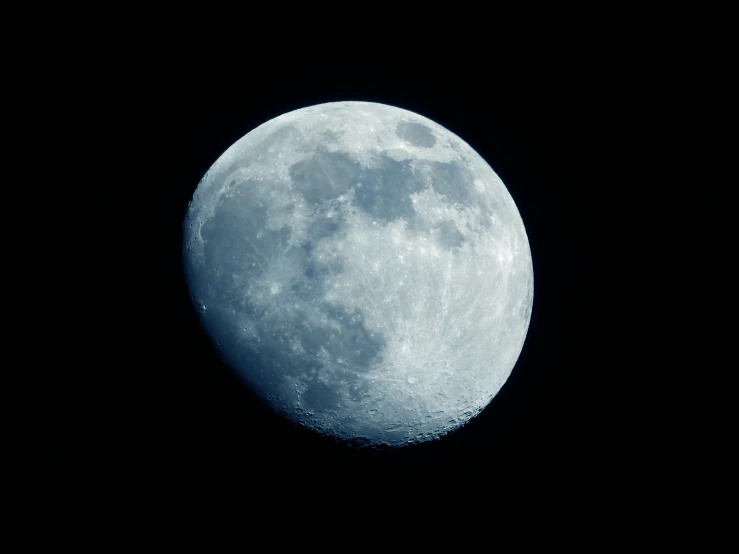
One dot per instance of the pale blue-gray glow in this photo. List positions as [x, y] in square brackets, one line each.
[362, 270]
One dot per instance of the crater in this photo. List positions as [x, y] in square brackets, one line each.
[416, 134]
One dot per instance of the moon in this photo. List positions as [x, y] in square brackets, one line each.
[362, 270]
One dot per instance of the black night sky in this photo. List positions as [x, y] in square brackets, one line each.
[554, 129]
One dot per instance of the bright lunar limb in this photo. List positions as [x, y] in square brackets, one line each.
[363, 270]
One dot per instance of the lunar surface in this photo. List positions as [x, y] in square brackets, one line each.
[362, 270]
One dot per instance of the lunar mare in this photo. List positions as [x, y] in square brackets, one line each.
[363, 270]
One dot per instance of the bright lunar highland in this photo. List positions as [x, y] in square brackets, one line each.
[362, 270]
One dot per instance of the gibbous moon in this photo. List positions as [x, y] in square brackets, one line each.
[362, 270]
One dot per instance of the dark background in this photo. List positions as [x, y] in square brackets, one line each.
[558, 128]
